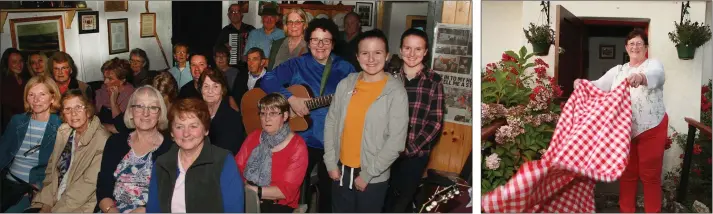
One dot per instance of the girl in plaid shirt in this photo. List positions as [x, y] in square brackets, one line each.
[425, 96]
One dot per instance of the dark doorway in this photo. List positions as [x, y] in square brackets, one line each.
[197, 23]
[591, 46]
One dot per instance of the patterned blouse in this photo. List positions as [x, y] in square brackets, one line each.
[647, 104]
[132, 175]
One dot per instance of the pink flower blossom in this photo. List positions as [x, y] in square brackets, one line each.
[492, 161]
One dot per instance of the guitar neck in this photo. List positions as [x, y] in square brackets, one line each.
[319, 102]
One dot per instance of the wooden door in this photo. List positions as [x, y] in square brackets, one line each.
[570, 35]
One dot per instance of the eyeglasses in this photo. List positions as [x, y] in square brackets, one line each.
[233, 12]
[76, 109]
[294, 22]
[32, 150]
[271, 114]
[316, 41]
[152, 109]
[637, 44]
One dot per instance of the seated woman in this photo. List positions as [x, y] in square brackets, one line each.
[14, 79]
[280, 152]
[70, 184]
[113, 97]
[226, 125]
[164, 83]
[194, 176]
[125, 172]
[27, 143]
[365, 131]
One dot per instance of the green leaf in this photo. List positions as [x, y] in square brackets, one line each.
[498, 173]
[512, 54]
[487, 144]
[529, 154]
[523, 52]
[499, 151]
[485, 184]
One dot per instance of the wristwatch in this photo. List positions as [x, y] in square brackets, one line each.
[259, 192]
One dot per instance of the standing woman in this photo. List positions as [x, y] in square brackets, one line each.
[25, 147]
[113, 97]
[273, 160]
[365, 130]
[194, 176]
[37, 64]
[295, 24]
[226, 124]
[70, 184]
[425, 95]
[649, 122]
[123, 183]
[14, 80]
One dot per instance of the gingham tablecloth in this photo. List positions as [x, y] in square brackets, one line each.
[590, 143]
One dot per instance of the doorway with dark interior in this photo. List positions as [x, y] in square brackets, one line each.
[591, 46]
[197, 24]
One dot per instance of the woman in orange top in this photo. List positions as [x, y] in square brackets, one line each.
[365, 130]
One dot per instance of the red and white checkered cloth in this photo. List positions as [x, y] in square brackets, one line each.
[591, 142]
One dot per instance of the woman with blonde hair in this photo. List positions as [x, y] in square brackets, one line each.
[125, 172]
[26, 145]
[70, 183]
[37, 63]
[295, 24]
[166, 84]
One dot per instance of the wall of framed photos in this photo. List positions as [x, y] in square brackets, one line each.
[90, 49]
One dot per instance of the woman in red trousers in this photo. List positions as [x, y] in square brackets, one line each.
[649, 122]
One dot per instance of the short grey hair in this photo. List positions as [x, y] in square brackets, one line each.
[151, 92]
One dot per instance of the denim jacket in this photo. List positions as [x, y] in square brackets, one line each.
[15, 134]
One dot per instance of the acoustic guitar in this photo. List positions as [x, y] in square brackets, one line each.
[251, 115]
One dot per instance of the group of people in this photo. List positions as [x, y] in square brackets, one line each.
[174, 140]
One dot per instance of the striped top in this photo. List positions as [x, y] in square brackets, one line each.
[24, 160]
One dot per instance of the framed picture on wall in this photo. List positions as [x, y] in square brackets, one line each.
[365, 11]
[118, 35]
[116, 6]
[607, 51]
[148, 25]
[416, 22]
[88, 22]
[38, 33]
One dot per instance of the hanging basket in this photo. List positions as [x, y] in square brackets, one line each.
[541, 49]
[686, 52]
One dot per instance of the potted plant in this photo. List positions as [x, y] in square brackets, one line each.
[541, 37]
[688, 36]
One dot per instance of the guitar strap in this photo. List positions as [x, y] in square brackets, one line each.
[325, 75]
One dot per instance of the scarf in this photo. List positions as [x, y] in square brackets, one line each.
[590, 143]
[259, 166]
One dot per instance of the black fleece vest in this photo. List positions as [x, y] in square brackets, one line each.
[203, 192]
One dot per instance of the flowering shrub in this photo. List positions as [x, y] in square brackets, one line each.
[699, 178]
[521, 93]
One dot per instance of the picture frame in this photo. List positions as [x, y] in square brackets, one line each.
[88, 21]
[118, 32]
[116, 6]
[626, 58]
[148, 25]
[366, 13]
[413, 21]
[607, 51]
[270, 3]
[44, 33]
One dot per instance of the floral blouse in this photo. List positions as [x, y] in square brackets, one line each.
[132, 175]
[647, 104]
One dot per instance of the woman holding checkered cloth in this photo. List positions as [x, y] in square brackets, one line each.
[649, 122]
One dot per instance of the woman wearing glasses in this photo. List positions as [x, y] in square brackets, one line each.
[125, 172]
[320, 70]
[27, 143]
[295, 24]
[649, 122]
[273, 160]
[70, 183]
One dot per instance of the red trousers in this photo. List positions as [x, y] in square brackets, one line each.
[645, 163]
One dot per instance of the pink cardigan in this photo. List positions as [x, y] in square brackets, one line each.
[103, 96]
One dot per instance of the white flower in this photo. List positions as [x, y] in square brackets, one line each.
[492, 161]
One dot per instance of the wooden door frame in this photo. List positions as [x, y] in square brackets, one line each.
[557, 39]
